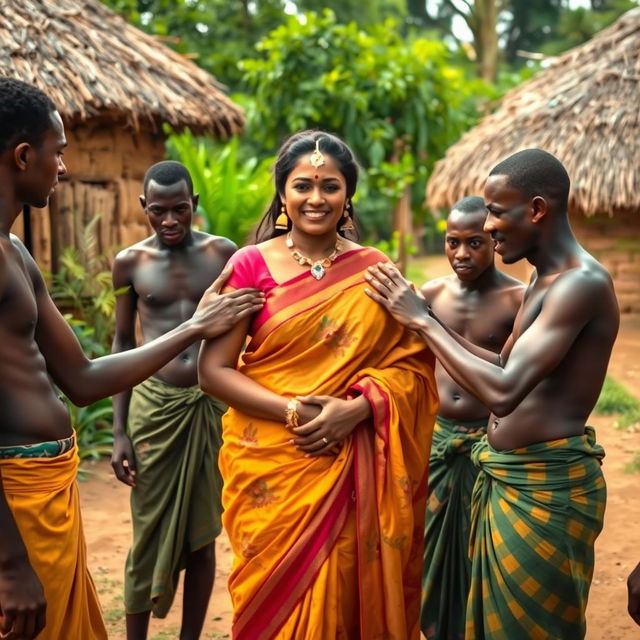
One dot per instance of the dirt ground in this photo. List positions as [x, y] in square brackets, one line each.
[108, 525]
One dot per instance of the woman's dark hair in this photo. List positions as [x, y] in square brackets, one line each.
[300, 144]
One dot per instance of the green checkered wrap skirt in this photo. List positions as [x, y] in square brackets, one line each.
[447, 568]
[536, 513]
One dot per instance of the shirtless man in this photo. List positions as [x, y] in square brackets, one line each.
[479, 303]
[539, 501]
[45, 587]
[167, 432]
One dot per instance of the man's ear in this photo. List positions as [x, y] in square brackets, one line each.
[540, 208]
[195, 198]
[22, 155]
[143, 201]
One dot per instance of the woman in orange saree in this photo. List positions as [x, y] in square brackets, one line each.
[325, 519]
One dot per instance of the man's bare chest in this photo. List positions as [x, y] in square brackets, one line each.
[18, 308]
[164, 283]
[482, 323]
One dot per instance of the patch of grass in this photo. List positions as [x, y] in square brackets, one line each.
[114, 615]
[170, 634]
[615, 399]
[106, 585]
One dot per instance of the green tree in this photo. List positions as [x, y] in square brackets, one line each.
[480, 16]
[577, 25]
[503, 29]
[364, 12]
[399, 104]
[217, 33]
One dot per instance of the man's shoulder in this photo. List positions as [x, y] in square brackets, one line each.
[18, 244]
[510, 288]
[589, 274]
[130, 255]
[587, 286]
[216, 244]
[508, 282]
[433, 288]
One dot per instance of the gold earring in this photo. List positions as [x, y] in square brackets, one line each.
[282, 221]
[347, 222]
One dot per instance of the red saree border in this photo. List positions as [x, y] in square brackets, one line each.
[263, 616]
[370, 575]
[380, 406]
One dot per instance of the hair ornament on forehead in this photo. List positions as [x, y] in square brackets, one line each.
[317, 159]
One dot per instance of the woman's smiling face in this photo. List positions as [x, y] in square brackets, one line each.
[315, 197]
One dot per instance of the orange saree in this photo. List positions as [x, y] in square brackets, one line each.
[328, 547]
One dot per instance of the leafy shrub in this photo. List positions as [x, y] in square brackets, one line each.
[234, 190]
[82, 286]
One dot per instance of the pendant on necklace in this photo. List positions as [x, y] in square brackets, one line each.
[317, 270]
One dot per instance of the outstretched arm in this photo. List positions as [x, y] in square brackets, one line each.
[85, 381]
[567, 308]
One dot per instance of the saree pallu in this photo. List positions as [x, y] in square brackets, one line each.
[176, 503]
[447, 568]
[536, 513]
[43, 497]
[328, 547]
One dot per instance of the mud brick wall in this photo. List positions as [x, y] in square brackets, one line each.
[615, 242]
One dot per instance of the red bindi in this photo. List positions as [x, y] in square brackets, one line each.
[316, 176]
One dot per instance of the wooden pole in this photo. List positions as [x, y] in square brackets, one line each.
[403, 227]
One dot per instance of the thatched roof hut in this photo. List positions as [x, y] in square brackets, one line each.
[583, 108]
[114, 87]
[92, 63]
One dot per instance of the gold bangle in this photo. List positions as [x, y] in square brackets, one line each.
[291, 414]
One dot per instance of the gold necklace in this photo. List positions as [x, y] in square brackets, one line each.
[318, 267]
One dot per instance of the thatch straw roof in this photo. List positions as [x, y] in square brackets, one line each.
[91, 62]
[583, 109]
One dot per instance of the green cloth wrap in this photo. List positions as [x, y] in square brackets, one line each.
[447, 568]
[536, 513]
[176, 504]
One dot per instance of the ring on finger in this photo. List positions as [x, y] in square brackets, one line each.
[325, 440]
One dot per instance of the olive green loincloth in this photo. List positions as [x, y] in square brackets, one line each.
[447, 568]
[176, 504]
[536, 513]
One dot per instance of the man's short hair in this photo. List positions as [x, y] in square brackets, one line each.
[167, 173]
[535, 172]
[470, 204]
[25, 113]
